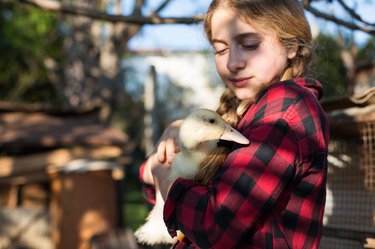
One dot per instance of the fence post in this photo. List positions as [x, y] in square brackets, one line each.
[151, 117]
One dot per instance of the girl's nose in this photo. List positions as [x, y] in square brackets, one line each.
[235, 60]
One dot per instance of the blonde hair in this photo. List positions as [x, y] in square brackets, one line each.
[286, 19]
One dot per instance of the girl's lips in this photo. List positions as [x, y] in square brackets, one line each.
[239, 82]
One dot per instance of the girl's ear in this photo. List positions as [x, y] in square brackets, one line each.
[292, 52]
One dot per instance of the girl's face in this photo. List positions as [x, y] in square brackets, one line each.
[247, 58]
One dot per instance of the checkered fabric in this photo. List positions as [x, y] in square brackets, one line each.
[270, 193]
[148, 191]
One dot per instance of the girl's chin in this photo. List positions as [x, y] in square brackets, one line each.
[243, 94]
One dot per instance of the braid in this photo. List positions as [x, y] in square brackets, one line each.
[231, 109]
[293, 31]
[301, 61]
[228, 107]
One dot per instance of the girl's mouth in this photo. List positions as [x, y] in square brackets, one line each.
[239, 82]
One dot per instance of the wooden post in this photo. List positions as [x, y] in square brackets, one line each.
[151, 133]
[83, 206]
[13, 196]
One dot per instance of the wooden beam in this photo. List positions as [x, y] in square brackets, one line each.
[40, 176]
[21, 165]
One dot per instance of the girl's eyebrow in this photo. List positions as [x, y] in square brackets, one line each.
[239, 37]
[247, 35]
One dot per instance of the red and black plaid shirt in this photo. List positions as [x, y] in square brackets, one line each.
[269, 194]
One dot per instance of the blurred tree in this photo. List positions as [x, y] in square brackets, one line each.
[366, 53]
[95, 39]
[328, 67]
[96, 33]
[336, 60]
[29, 45]
[349, 18]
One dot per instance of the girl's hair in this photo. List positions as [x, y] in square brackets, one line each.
[285, 19]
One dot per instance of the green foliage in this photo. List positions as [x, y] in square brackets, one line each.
[328, 67]
[366, 54]
[135, 208]
[28, 37]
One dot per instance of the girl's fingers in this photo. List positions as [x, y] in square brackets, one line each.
[168, 145]
[166, 151]
[170, 150]
[160, 153]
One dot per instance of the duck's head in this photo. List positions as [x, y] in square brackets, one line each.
[202, 130]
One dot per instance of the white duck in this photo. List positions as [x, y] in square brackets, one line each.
[199, 135]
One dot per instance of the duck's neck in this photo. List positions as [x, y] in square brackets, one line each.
[195, 156]
[202, 148]
[186, 163]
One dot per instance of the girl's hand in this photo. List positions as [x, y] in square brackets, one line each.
[168, 144]
[165, 151]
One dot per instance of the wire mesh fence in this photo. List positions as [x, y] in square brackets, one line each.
[349, 221]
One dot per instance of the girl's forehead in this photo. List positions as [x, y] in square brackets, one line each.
[225, 22]
[224, 19]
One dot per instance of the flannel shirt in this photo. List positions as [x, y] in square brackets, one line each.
[270, 193]
[148, 190]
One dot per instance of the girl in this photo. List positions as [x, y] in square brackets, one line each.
[271, 193]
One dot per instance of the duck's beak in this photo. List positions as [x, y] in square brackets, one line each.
[230, 134]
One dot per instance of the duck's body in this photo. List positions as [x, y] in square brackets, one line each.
[199, 135]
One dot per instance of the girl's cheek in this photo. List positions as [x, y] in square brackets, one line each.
[220, 64]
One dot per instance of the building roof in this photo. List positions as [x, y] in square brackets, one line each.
[26, 129]
[363, 99]
[347, 114]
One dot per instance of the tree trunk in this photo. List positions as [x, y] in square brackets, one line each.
[93, 73]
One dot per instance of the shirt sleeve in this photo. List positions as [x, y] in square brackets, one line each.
[250, 183]
[148, 190]
[246, 187]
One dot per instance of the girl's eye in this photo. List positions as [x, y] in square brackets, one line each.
[251, 46]
[219, 48]
[220, 51]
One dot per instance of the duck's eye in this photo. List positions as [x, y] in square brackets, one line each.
[212, 120]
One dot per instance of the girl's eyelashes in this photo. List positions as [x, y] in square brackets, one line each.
[246, 47]
[251, 46]
[220, 51]
[221, 48]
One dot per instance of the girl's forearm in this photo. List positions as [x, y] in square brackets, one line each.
[161, 179]
[147, 176]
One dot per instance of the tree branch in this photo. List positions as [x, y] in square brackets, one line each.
[336, 20]
[353, 13]
[162, 6]
[57, 7]
[137, 8]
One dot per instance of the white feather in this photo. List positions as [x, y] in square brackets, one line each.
[199, 134]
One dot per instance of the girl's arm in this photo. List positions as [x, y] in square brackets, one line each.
[257, 179]
[160, 159]
[245, 189]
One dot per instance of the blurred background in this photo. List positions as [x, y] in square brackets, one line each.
[87, 87]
